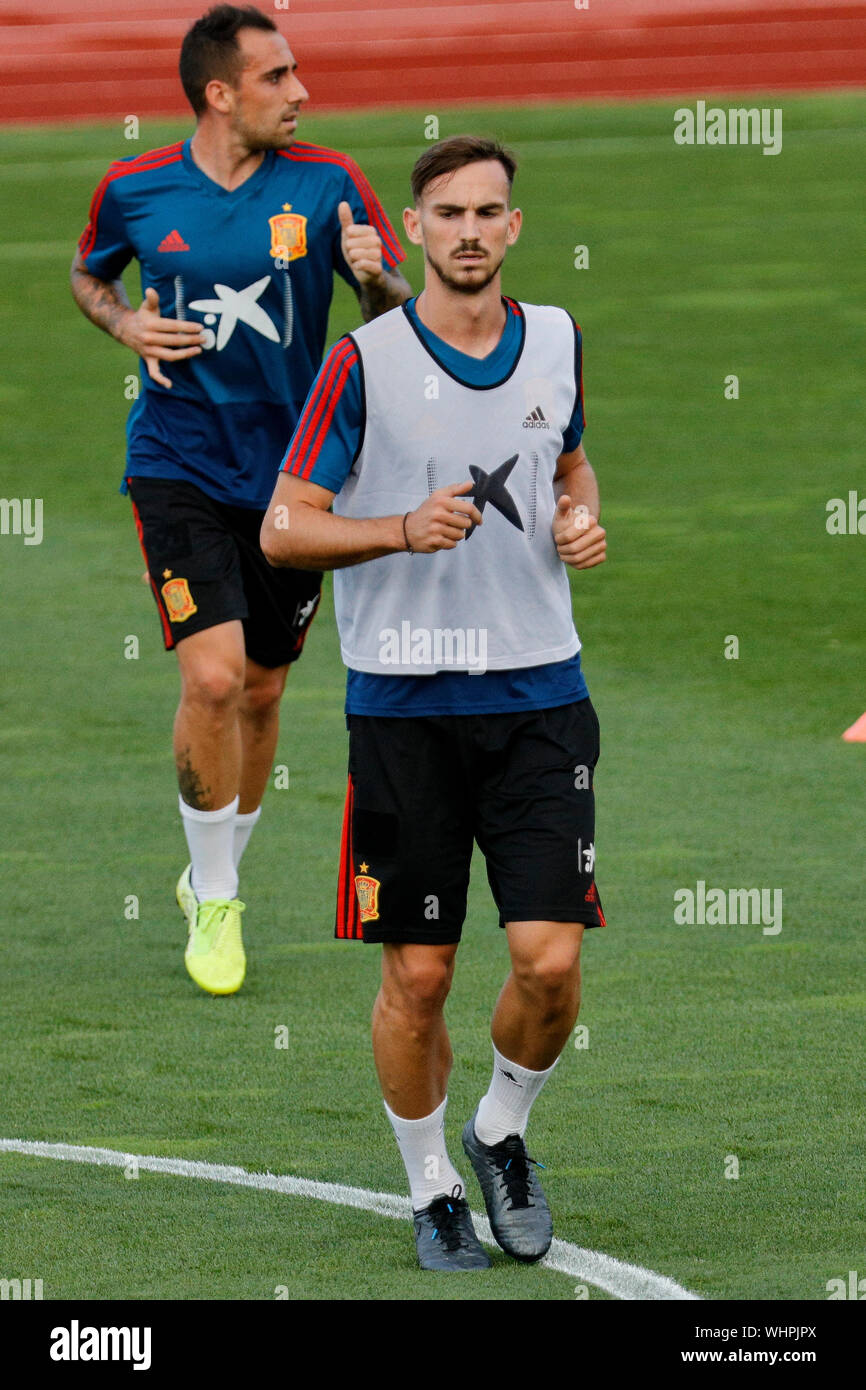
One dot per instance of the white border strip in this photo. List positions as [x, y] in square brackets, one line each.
[621, 1280]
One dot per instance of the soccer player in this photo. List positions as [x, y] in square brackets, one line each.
[238, 232]
[447, 436]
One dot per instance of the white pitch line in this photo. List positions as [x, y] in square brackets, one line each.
[621, 1280]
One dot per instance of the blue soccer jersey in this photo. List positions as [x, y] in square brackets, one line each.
[323, 450]
[255, 267]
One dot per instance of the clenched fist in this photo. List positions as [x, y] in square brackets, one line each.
[362, 248]
[580, 541]
[443, 520]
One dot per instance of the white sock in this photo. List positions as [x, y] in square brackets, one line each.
[210, 835]
[422, 1148]
[505, 1108]
[244, 824]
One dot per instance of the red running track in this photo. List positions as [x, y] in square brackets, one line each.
[113, 58]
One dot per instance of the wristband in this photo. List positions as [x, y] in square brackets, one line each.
[406, 536]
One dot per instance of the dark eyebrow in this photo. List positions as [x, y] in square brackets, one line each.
[272, 72]
[457, 207]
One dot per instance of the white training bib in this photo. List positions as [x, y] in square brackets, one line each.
[501, 599]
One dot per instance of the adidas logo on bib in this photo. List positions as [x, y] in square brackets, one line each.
[535, 420]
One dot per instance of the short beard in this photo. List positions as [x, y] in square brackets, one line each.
[461, 286]
[256, 142]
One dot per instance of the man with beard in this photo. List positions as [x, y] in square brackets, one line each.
[447, 437]
[238, 232]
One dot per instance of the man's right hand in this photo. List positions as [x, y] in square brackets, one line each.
[157, 339]
[443, 520]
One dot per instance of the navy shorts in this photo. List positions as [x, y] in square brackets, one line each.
[206, 567]
[423, 790]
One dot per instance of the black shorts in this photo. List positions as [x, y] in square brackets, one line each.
[206, 567]
[422, 789]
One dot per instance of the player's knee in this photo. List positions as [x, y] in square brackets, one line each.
[217, 686]
[419, 987]
[263, 696]
[552, 973]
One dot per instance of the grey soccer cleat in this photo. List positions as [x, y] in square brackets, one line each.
[518, 1211]
[445, 1236]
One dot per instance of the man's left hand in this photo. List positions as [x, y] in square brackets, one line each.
[362, 248]
[580, 541]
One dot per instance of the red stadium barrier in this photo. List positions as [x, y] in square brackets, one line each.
[114, 58]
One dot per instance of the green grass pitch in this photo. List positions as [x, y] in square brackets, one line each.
[704, 1041]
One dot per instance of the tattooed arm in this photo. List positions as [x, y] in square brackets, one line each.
[377, 298]
[105, 304]
[150, 336]
[377, 288]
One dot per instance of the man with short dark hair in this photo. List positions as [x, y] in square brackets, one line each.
[238, 231]
[460, 417]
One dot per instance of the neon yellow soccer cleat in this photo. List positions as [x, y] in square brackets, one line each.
[215, 950]
[186, 898]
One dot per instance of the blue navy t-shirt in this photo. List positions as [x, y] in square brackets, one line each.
[255, 267]
[323, 450]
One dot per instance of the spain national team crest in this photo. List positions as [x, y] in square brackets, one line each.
[288, 235]
[178, 600]
[367, 889]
